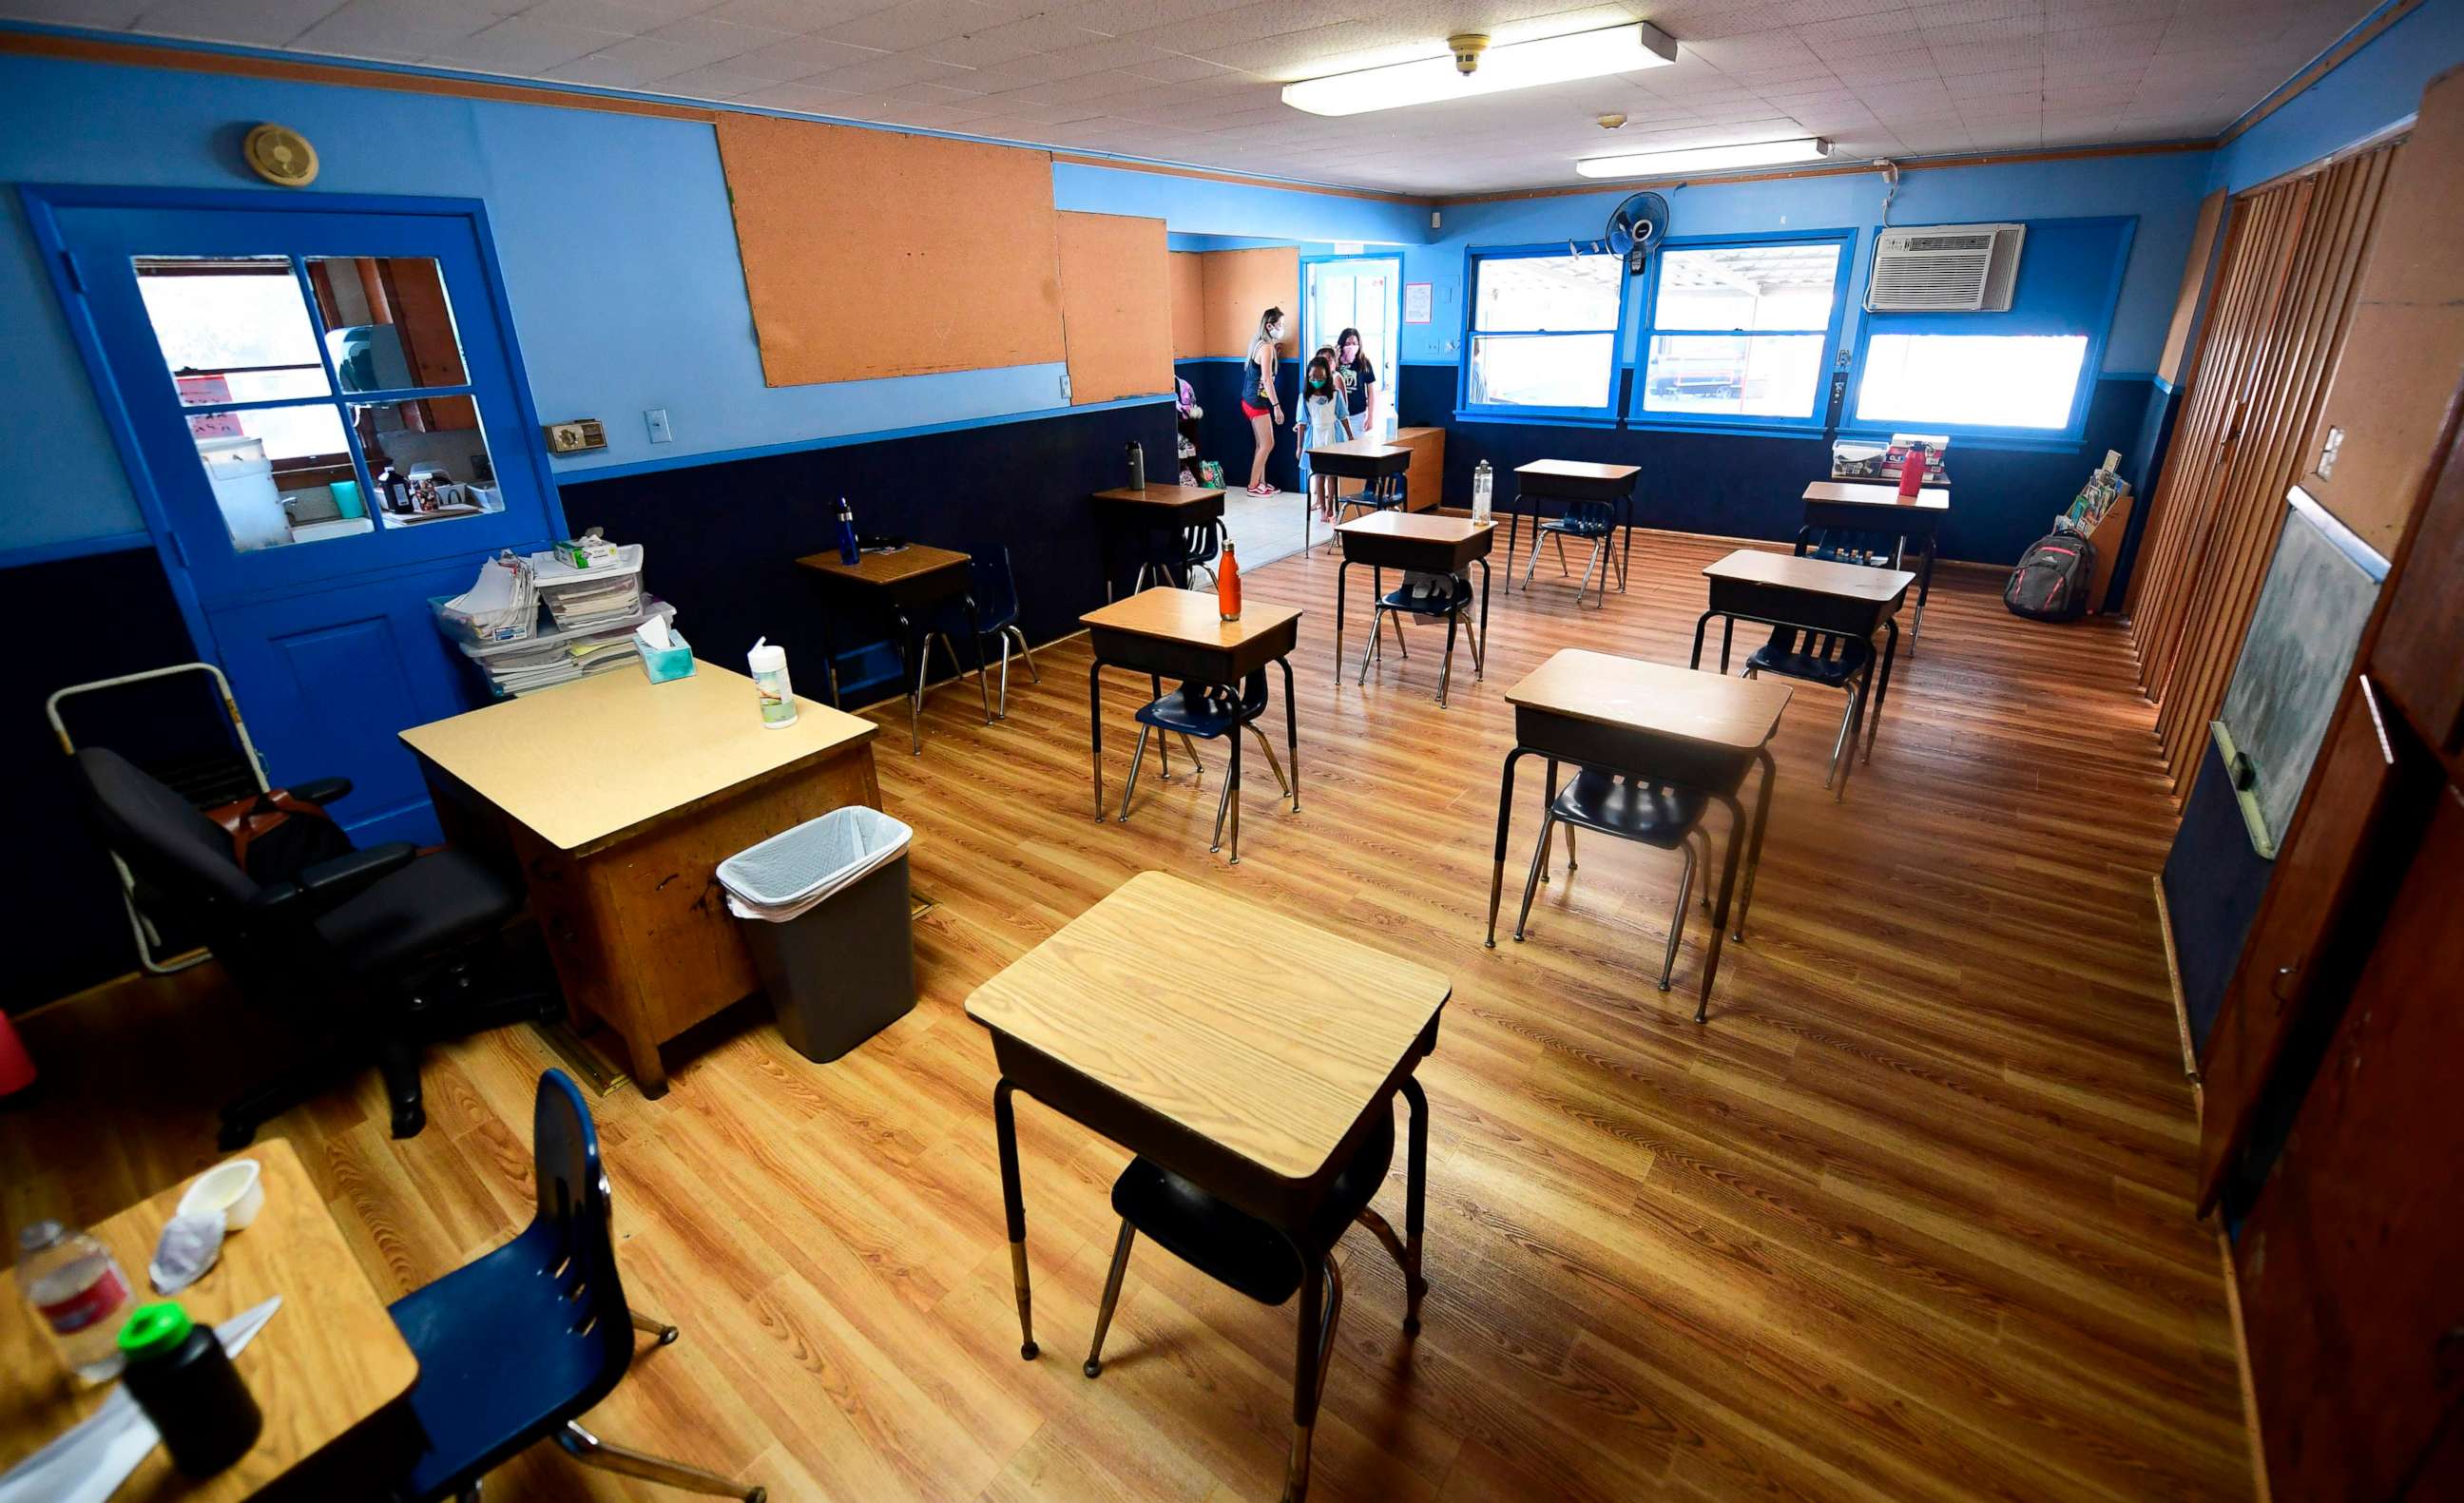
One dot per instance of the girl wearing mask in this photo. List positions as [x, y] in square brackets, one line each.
[1324, 420]
[1258, 403]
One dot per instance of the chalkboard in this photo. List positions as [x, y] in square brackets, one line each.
[2304, 632]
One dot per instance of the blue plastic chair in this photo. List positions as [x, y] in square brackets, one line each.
[1206, 711]
[1833, 661]
[1596, 520]
[994, 586]
[1454, 607]
[516, 1346]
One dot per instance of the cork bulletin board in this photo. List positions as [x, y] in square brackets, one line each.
[1115, 306]
[1242, 284]
[1188, 305]
[870, 253]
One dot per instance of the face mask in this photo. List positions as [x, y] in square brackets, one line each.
[1317, 385]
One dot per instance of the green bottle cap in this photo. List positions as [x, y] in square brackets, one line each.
[155, 1330]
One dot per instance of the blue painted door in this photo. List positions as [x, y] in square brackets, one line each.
[321, 410]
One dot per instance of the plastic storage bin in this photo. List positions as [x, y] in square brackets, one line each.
[826, 913]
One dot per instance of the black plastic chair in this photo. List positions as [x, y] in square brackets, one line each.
[1264, 1262]
[1661, 815]
[1596, 520]
[1833, 661]
[516, 1347]
[370, 955]
[994, 587]
[1206, 711]
[1454, 606]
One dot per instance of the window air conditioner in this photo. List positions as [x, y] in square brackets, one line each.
[1945, 269]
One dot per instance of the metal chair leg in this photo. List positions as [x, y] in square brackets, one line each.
[1376, 622]
[1532, 883]
[1837, 746]
[1198, 772]
[665, 1332]
[1698, 832]
[1570, 848]
[1529, 564]
[1144, 731]
[1027, 652]
[1600, 547]
[592, 1451]
[1677, 915]
[1003, 713]
[1273, 765]
[1222, 805]
[1112, 1296]
[1563, 568]
[1296, 1469]
[915, 700]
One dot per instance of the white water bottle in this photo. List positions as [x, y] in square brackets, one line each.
[769, 665]
[1483, 484]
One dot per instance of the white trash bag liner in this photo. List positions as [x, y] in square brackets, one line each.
[791, 871]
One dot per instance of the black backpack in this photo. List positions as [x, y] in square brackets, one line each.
[2051, 579]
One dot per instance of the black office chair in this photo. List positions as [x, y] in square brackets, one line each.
[374, 953]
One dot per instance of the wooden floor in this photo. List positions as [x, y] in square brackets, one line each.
[1908, 1219]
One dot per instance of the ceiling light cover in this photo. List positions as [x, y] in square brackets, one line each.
[1706, 159]
[1519, 65]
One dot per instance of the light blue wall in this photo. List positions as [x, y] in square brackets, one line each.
[2367, 92]
[2162, 190]
[613, 231]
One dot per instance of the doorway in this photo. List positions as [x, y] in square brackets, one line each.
[1363, 292]
[322, 414]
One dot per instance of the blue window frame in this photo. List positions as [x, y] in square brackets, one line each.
[1742, 331]
[1540, 333]
[2025, 374]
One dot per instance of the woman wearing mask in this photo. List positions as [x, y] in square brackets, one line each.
[1258, 403]
[1322, 421]
[1359, 378]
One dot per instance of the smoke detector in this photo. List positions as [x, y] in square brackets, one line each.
[1611, 122]
[1467, 46]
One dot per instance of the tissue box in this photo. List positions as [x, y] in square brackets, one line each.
[664, 664]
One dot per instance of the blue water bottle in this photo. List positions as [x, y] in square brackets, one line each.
[847, 550]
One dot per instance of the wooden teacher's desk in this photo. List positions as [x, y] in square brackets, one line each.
[619, 798]
[329, 1370]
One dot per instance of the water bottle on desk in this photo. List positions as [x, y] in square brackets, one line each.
[1484, 486]
[848, 553]
[75, 1285]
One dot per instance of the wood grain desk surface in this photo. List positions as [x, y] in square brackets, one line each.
[328, 1359]
[883, 568]
[1361, 448]
[1579, 470]
[1659, 698]
[1854, 493]
[1160, 494]
[1819, 576]
[1266, 1036]
[586, 761]
[1422, 527]
[1186, 615]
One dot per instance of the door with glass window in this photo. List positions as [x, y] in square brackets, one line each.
[1363, 293]
[320, 412]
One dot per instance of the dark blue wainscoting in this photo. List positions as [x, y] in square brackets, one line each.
[60, 891]
[2144, 466]
[1748, 486]
[1223, 434]
[722, 538]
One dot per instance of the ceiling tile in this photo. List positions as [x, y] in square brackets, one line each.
[522, 46]
[890, 70]
[396, 30]
[259, 23]
[913, 23]
[110, 15]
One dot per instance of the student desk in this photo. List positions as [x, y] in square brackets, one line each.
[1848, 506]
[911, 579]
[1181, 634]
[1399, 540]
[329, 1370]
[1142, 513]
[1659, 724]
[1251, 1064]
[618, 798]
[1573, 480]
[1851, 599]
[1377, 463]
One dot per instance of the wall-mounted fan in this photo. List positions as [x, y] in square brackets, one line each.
[1635, 228]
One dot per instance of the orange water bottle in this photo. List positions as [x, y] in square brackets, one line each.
[1227, 585]
[1912, 471]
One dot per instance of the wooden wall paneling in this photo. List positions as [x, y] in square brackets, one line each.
[2392, 387]
[870, 254]
[1242, 284]
[1117, 308]
[2194, 285]
[1187, 270]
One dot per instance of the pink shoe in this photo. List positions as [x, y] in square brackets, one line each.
[1262, 488]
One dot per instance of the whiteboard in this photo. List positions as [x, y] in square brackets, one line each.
[2303, 633]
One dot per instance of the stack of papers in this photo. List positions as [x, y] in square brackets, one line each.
[563, 655]
[587, 598]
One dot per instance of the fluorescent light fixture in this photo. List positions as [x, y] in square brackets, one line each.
[1706, 159]
[1517, 65]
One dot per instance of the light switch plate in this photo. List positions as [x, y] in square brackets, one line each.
[657, 419]
[2327, 452]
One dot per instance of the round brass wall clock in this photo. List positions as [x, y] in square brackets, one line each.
[280, 155]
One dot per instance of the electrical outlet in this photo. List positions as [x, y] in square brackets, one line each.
[657, 419]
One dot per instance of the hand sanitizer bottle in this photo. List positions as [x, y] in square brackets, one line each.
[777, 696]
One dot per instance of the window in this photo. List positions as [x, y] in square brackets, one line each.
[2021, 373]
[1543, 331]
[1742, 331]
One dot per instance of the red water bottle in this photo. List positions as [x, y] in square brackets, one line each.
[1912, 472]
[1227, 585]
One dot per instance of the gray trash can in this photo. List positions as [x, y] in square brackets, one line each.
[824, 911]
